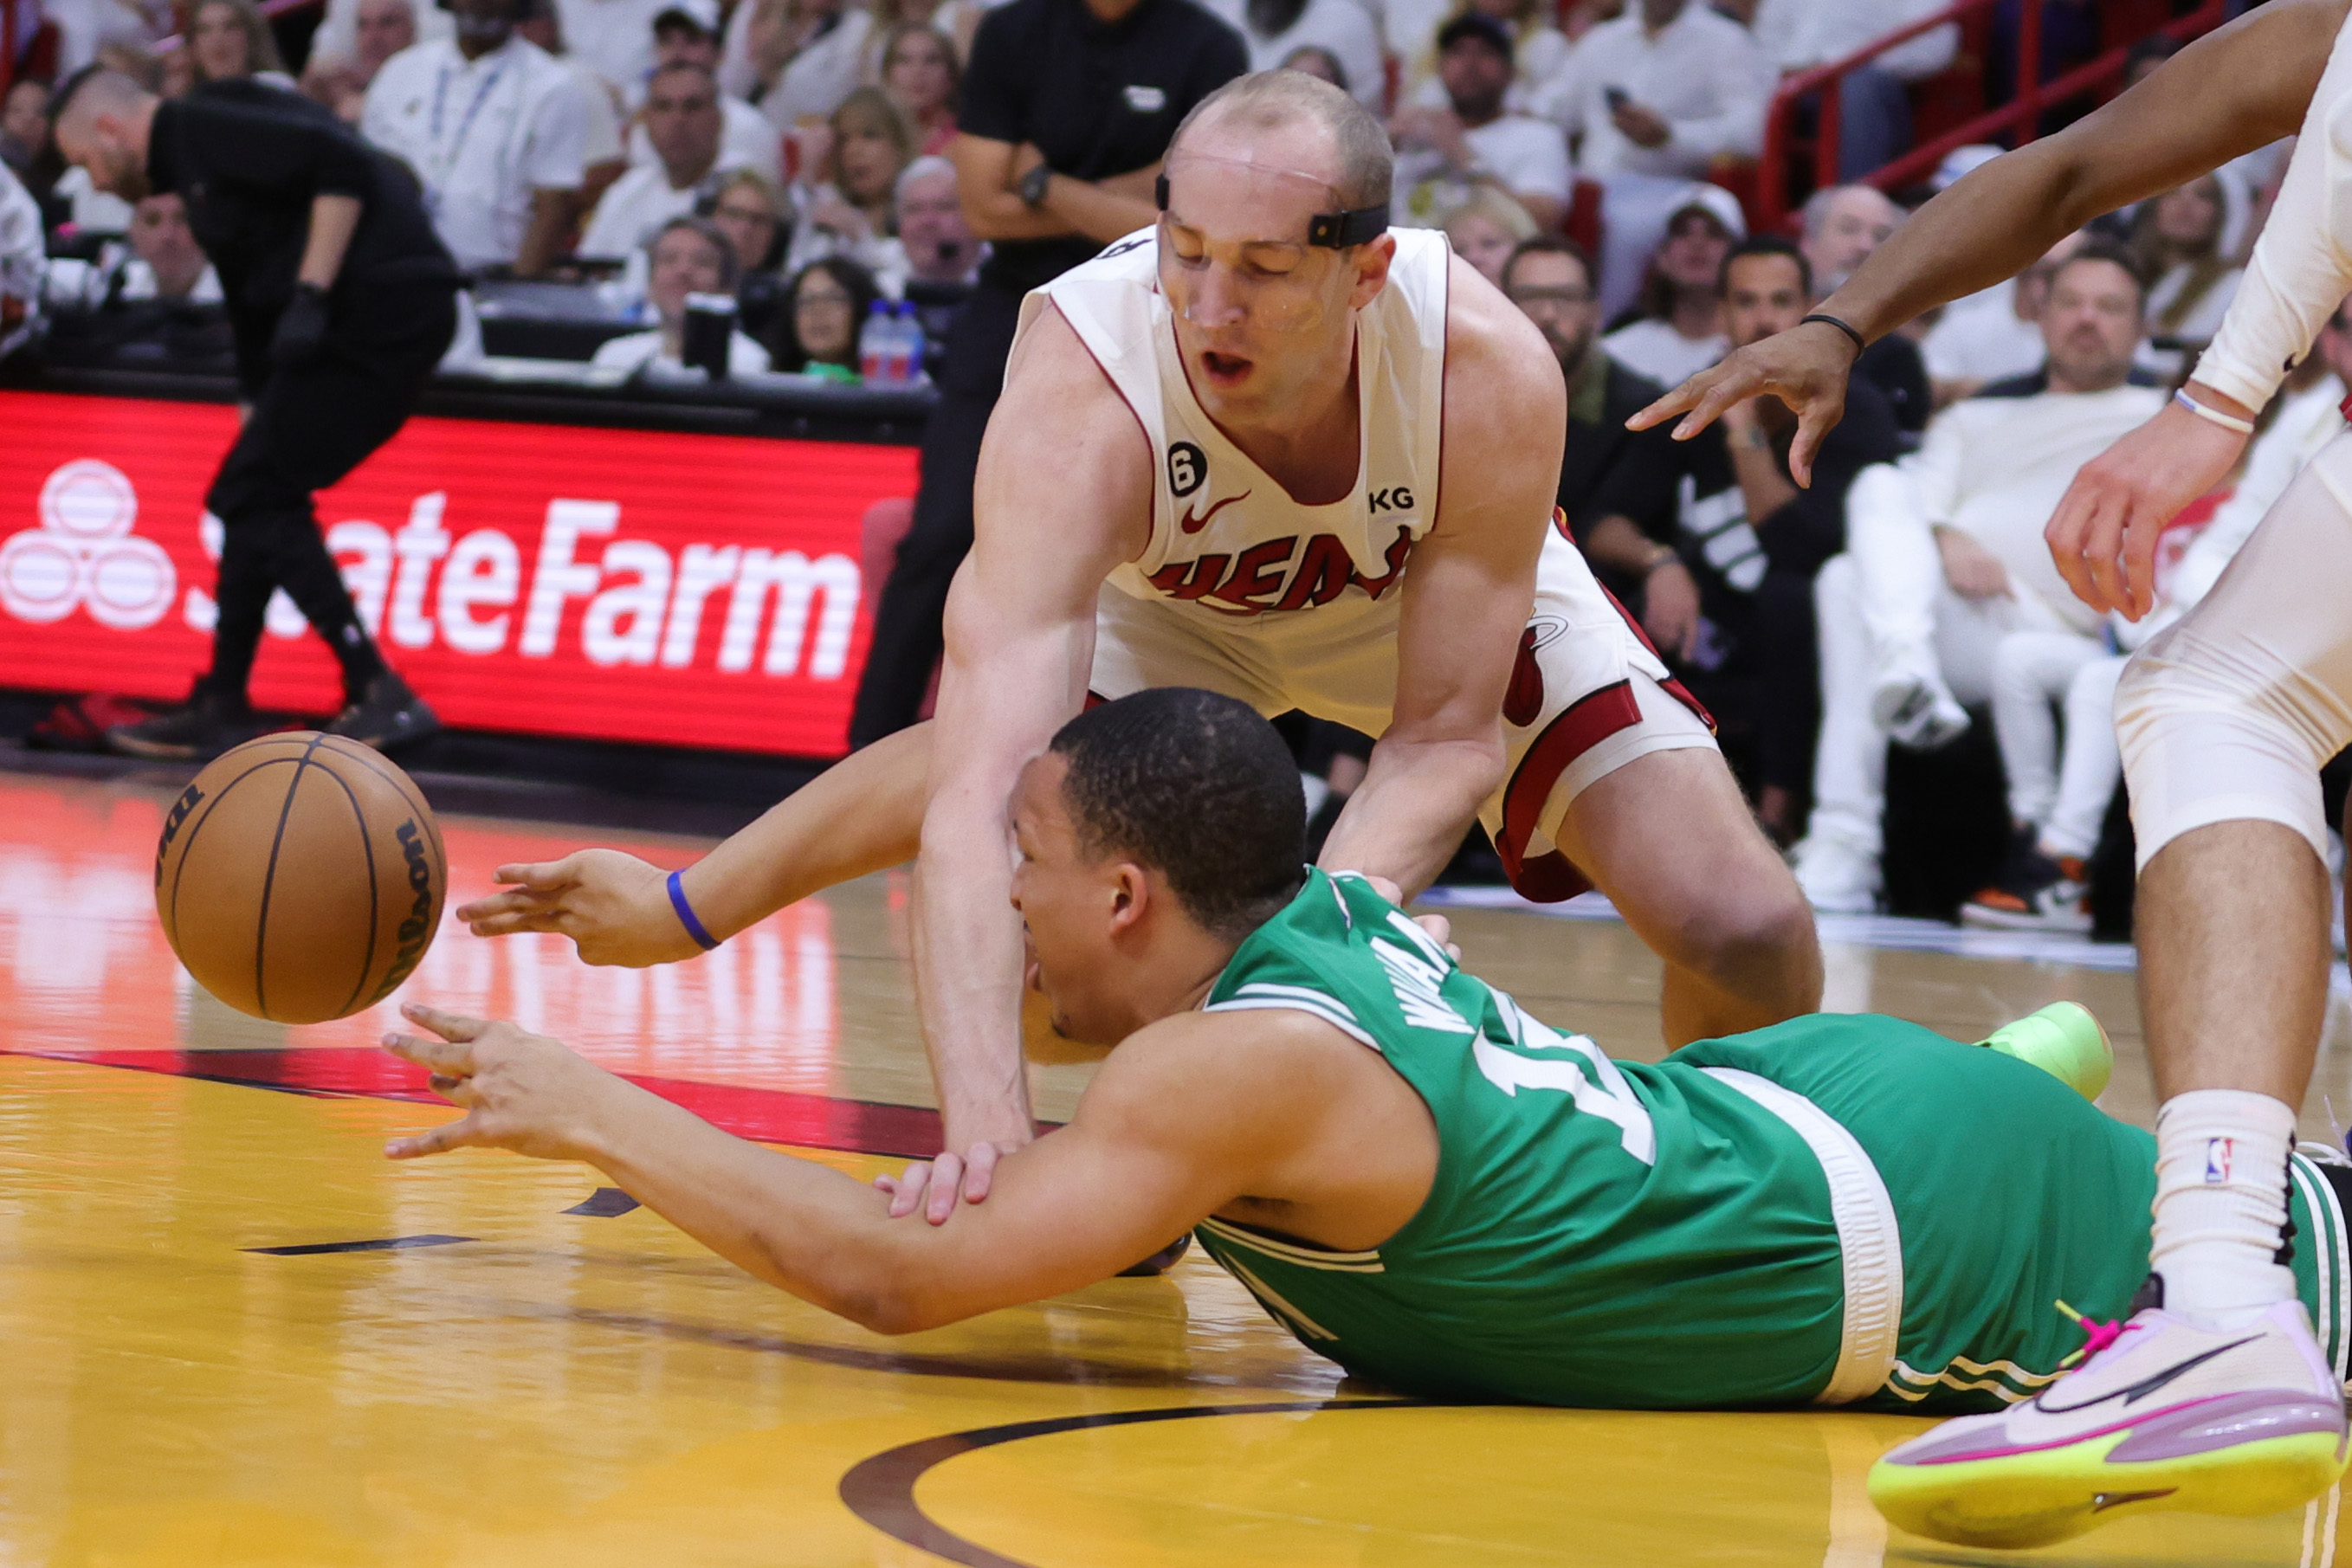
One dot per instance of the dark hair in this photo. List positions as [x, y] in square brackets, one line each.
[1766, 244]
[1198, 788]
[2113, 252]
[1480, 26]
[1550, 245]
[784, 347]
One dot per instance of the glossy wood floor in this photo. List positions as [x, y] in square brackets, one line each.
[199, 1365]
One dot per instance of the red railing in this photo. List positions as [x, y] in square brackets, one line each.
[2021, 116]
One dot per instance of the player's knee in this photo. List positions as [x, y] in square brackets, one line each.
[1755, 937]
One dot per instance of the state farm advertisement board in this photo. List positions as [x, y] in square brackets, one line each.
[682, 590]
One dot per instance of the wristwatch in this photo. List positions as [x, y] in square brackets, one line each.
[1660, 556]
[1032, 185]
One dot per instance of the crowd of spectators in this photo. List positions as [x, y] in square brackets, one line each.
[807, 159]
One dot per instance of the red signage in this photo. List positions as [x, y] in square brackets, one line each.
[611, 584]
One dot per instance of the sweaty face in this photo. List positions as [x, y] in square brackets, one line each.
[684, 263]
[1066, 904]
[2091, 323]
[1762, 294]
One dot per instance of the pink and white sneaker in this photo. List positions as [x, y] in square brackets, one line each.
[2162, 1414]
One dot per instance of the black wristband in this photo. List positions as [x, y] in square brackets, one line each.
[1858, 344]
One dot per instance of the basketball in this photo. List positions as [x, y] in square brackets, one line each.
[300, 877]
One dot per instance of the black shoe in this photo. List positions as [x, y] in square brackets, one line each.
[1160, 1263]
[387, 715]
[199, 729]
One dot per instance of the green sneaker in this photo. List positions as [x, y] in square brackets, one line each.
[2066, 1041]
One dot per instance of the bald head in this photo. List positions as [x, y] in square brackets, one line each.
[1843, 223]
[101, 119]
[1335, 139]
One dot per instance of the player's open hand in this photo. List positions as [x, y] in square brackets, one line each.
[933, 1185]
[519, 1090]
[1805, 366]
[614, 906]
[2103, 536]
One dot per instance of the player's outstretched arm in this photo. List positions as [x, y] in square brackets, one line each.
[2242, 87]
[1062, 497]
[1205, 1109]
[1467, 591]
[863, 815]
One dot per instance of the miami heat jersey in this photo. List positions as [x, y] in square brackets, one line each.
[1228, 541]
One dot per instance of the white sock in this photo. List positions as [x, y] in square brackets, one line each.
[2221, 1203]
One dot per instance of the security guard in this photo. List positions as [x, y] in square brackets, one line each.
[341, 302]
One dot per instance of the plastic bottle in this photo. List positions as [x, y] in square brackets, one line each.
[874, 342]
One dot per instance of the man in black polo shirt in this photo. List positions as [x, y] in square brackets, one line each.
[1067, 108]
[341, 301]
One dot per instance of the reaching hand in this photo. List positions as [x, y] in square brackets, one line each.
[1804, 367]
[519, 1092]
[614, 906]
[300, 337]
[2103, 536]
[931, 1185]
[1669, 609]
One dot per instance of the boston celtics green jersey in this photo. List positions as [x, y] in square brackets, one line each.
[1837, 1209]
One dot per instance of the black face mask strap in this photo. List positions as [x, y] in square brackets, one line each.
[1332, 231]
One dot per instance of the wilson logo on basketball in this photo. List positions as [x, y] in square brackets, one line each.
[187, 802]
[417, 930]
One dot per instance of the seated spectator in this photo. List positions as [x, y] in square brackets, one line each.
[846, 209]
[750, 211]
[25, 131]
[1750, 543]
[1274, 29]
[942, 257]
[746, 140]
[920, 74]
[336, 45]
[1485, 229]
[687, 256]
[1945, 557]
[614, 39]
[1994, 335]
[1874, 105]
[2058, 798]
[1676, 328]
[502, 176]
[681, 119]
[228, 40]
[796, 60]
[957, 21]
[1653, 99]
[1539, 50]
[1313, 60]
[2188, 240]
[1442, 154]
[1842, 224]
[818, 336]
[381, 29]
[166, 263]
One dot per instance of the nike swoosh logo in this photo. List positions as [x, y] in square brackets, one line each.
[2146, 1386]
[1193, 525]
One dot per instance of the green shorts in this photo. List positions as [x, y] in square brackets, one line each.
[2010, 1193]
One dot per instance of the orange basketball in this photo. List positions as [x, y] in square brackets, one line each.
[300, 877]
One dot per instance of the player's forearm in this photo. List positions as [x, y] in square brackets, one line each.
[334, 221]
[1417, 799]
[863, 815]
[1099, 212]
[968, 966]
[1002, 214]
[2294, 282]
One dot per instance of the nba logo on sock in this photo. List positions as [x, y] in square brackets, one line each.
[2217, 1160]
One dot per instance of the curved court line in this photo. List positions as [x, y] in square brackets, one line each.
[880, 1490]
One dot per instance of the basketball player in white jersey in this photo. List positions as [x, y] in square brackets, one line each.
[2215, 1394]
[1224, 459]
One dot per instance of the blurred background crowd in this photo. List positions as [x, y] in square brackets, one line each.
[1652, 181]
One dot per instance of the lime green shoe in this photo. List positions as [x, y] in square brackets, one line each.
[2066, 1041]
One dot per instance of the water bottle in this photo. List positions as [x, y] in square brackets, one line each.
[912, 326]
[874, 342]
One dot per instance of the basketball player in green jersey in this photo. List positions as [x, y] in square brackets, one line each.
[1421, 1181]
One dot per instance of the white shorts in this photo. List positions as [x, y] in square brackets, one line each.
[1587, 695]
[2229, 715]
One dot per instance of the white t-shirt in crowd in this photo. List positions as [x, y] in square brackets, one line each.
[817, 78]
[746, 140]
[1704, 75]
[139, 283]
[1653, 348]
[614, 39]
[1528, 155]
[638, 350]
[638, 203]
[1343, 27]
[1799, 34]
[338, 37]
[482, 135]
[600, 125]
[1980, 339]
[1538, 57]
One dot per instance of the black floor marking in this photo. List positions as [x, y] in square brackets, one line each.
[604, 1203]
[384, 1244]
[881, 1489]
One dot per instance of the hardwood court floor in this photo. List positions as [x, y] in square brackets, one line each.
[198, 1366]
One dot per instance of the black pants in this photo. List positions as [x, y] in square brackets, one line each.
[309, 428]
[906, 620]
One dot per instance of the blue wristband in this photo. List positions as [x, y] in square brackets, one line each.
[702, 939]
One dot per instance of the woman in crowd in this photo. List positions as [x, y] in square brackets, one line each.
[1539, 50]
[846, 210]
[818, 336]
[920, 74]
[688, 256]
[2186, 239]
[227, 39]
[954, 20]
[1276, 29]
[750, 211]
[1486, 227]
